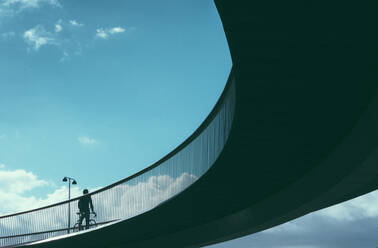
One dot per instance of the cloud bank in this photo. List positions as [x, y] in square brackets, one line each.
[13, 184]
[348, 225]
[122, 201]
[130, 199]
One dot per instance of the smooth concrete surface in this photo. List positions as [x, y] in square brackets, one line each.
[305, 133]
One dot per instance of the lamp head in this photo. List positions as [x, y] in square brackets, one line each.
[65, 179]
[74, 182]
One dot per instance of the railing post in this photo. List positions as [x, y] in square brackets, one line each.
[69, 206]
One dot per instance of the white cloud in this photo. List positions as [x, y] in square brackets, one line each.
[101, 33]
[13, 203]
[365, 206]
[9, 8]
[350, 224]
[58, 26]
[122, 201]
[84, 140]
[344, 225]
[37, 37]
[23, 4]
[18, 181]
[357, 209]
[116, 30]
[76, 24]
[131, 199]
[104, 33]
[15, 183]
[58, 195]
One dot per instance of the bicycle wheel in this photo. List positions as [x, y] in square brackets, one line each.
[75, 227]
[92, 224]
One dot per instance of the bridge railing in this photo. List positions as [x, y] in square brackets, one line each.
[138, 193]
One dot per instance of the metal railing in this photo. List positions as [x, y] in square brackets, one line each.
[140, 192]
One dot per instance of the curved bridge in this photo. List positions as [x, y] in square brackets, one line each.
[294, 131]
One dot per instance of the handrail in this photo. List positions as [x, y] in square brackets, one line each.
[51, 231]
[178, 169]
[195, 134]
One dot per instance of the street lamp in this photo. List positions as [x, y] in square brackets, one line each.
[69, 179]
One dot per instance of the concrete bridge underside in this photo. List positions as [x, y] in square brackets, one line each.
[305, 131]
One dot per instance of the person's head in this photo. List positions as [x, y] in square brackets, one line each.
[85, 191]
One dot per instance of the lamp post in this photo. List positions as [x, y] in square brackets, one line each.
[69, 179]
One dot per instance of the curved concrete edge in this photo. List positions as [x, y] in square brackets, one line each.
[96, 237]
[350, 184]
[346, 169]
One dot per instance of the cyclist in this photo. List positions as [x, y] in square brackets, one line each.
[84, 203]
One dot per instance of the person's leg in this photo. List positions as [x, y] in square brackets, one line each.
[82, 215]
[87, 219]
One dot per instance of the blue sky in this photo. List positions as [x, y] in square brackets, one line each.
[88, 86]
[98, 90]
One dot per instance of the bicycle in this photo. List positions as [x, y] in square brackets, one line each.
[92, 222]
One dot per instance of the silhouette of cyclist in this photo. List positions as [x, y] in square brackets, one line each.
[84, 203]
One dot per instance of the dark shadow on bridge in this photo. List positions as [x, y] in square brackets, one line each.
[294, 131]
